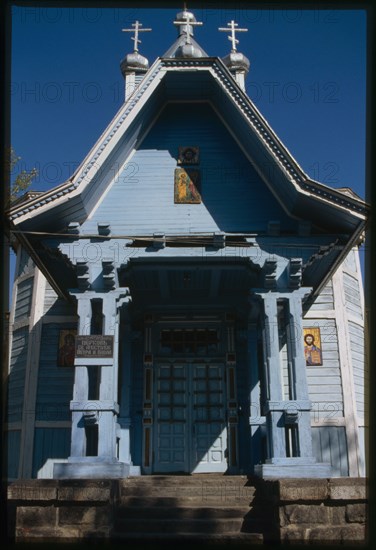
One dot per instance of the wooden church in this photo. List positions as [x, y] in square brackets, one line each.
[189, 301]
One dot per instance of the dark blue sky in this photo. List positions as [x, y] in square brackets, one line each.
[307, 77]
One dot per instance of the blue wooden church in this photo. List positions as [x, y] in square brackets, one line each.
[189, 301]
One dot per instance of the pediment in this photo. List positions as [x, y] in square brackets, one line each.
[193, 80]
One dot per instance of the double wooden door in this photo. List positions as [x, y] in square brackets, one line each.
[190, 418]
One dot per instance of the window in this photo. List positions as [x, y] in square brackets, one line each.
[198, 341]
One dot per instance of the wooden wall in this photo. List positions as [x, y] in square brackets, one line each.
[337, 388]
[141, 199]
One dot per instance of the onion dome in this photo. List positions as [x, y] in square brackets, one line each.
[186, 21]
[134, 62]
[183, 17]
[188, 50]
[236, 61]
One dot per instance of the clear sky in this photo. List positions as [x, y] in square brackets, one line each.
[307, 77]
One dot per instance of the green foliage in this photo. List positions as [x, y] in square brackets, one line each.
[23, 180]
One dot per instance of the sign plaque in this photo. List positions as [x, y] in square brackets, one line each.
[94, 347]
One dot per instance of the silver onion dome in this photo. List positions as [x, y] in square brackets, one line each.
[185, 15]
[188, 50]
[236, 61]
[134, 62]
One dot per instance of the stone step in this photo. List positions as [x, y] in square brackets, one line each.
[219, 489]
[228, 540]
[192, 498]
[186, 525]
[198, 508]
[194, 501]
[171, 511]
[195, 479]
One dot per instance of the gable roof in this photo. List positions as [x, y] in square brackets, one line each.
[193, 79]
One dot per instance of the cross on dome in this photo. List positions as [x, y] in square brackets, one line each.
[233, 29]
[136, 29]
[188, 23]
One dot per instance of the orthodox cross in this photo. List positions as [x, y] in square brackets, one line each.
[187, 23]
[136, 29]
[233, 29]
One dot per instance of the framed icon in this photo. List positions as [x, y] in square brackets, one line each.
[186, 187]
[189, 155]
[312, 346]
[66, 350]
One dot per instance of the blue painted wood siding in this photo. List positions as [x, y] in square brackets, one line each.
[324, 382]
[49, 443]
[23, 298]
[16, 380]
[329, 445]
[13, 452]
[26, 264]
[349, 263]
[324, 300]
[141, 200]
[352, 295]
[55, 384]
[56, 306]
[360, 370]
[353, 300]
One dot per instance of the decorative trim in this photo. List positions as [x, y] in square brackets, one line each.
[73, 319]
[295, 272]
[53, 424]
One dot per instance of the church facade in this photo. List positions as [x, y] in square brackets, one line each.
[189, 301]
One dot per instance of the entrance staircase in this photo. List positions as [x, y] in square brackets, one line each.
[207, 508]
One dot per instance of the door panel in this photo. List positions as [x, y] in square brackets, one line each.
[190, 430]
[171, 426]
[209, 434]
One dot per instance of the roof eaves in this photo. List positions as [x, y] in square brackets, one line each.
[89, 164]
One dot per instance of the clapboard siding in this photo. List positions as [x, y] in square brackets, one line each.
[26, 264]
[329, 445]
[141, 201]
[356, 334]
[49, 443]
[53, 305]
[16, 381]
[23, 298]
[55, 384]
[352, 295]
[349, 262]
[13, 442]
[324, 300]
[325, 382]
